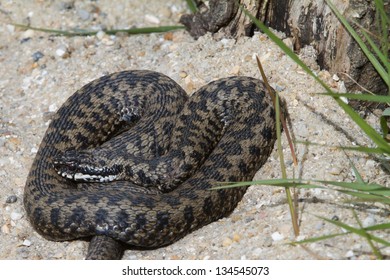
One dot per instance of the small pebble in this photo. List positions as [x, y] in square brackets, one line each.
[300, 237]
[257, 252]
[227, 42]
[335, 218]
[24, 40]
[100, 34]
[83, 14]
[370, 164]
[11, 199]
[227, 242]
[279, 88]
[166, 12]
[26, 243]
[6, 228]
[89, 42]
[152, 19]
[276, 236]
[189, 83]
[235, 70]
[62, 51]
[236, 237]
[369, 221]
[107, 41]
[16, 216]
[183, 74]
[335, 78]
[344, 99]
[69, 5]
[168, 36]
[349, 254]
[53, 108]
[336, 170]
[289, 43]
[37, 56]
[302, 130]
[342, 87]
[319, 226]
[27, 34]
[10, 28]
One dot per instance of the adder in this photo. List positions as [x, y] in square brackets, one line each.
[129, 159]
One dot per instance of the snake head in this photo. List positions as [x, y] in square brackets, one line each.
[83, 167]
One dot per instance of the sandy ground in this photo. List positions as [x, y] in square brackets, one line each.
[39, 71]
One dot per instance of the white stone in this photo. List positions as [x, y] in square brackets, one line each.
[349, 254]
[53, 108]
[28, 34]
[16, 216]
[10, 28]
[60, 52]
[369, 221]
[26, 243]
[276, 236]
[152, 19]
[257, 252]
[100, 34]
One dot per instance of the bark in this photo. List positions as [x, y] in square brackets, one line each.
[308, 22]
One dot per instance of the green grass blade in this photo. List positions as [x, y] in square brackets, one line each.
[367, 237]
[269, 182]
[283, 46]
[131, 31]
[383, 122]
[367, 197]
[376, 137]
[359, 178]
[360, 232]
[358, 96]
[351, 148]
[324, 237]
[378, 227]
[355, 185]
[316, 239]
[382, 72]
[384, 22]
[375, 48]
[192, 6]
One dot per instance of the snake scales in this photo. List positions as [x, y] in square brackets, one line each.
[223, 132]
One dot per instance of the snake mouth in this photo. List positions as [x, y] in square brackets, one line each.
[86, 173]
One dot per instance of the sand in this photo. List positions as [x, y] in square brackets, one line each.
[40, 71]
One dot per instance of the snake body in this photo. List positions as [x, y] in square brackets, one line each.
[144, 116]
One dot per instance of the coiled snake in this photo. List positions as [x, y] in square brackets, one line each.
[149, 155]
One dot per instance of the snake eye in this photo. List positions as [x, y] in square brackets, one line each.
[71, 166]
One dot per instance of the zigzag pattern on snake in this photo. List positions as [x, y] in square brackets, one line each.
[130, 131]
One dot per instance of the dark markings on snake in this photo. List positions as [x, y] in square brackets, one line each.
[162, 220]
[243, 167]
[189, 214]
[225, 122]
[140, 221]
[208, 206]
[78, 215]
[254, 150]
[54, 215]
